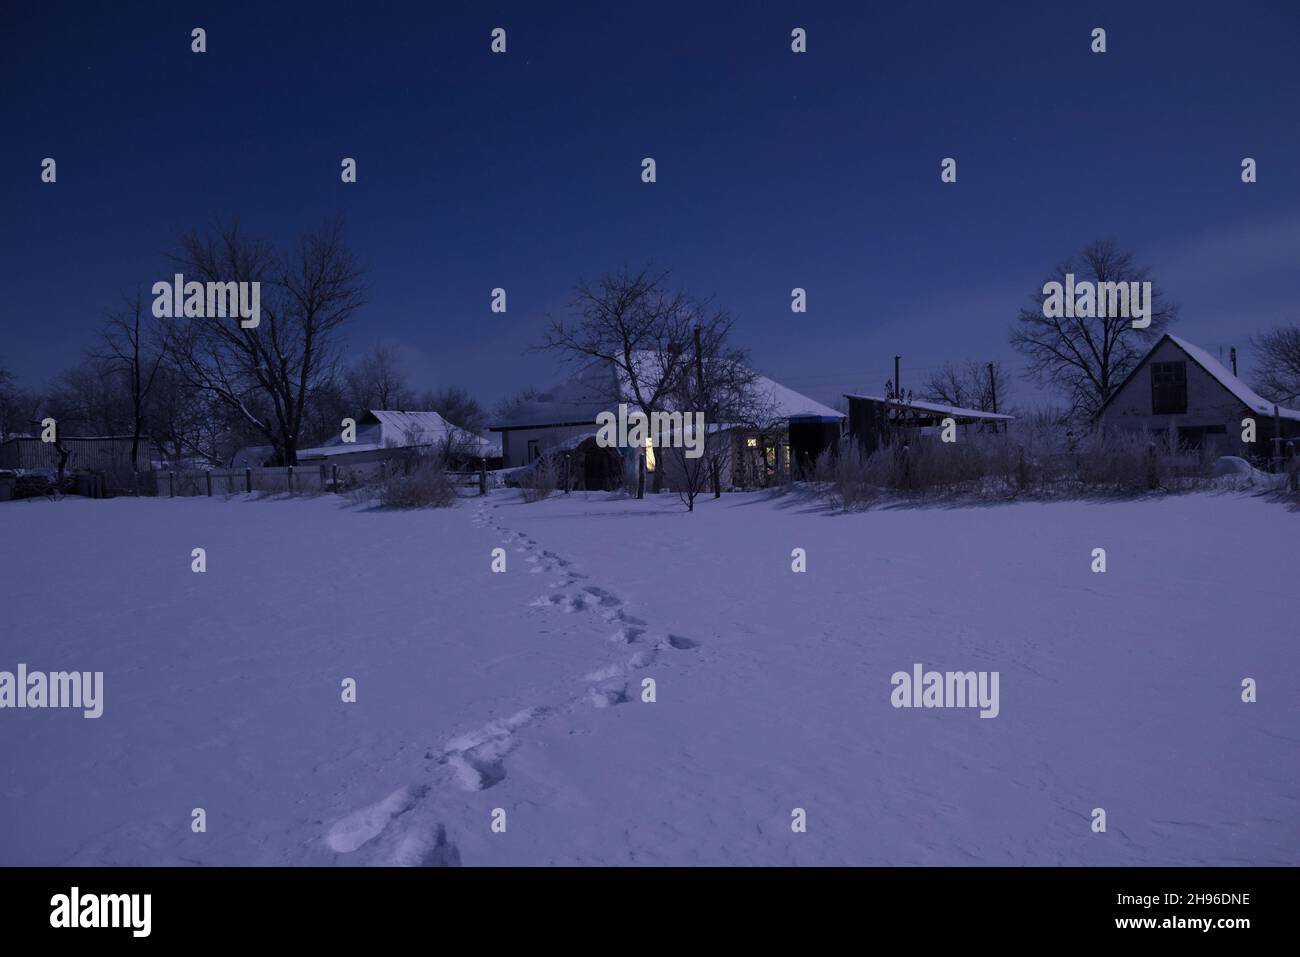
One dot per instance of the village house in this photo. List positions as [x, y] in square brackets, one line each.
[1184, 397]
[784, 438]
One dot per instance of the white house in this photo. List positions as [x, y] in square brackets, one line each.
[793, 430]
[1184, 396]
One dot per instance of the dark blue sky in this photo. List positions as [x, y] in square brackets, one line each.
[775, 170]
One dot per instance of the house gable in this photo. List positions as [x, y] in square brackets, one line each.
[1210, 399]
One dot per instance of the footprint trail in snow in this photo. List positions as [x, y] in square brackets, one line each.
[475, 760]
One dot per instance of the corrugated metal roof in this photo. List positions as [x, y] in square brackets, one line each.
[954, 411]
[385, 428]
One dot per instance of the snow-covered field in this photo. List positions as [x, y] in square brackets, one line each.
[522, 691]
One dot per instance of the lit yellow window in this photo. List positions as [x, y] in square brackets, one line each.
[649, 455]
[752, 443]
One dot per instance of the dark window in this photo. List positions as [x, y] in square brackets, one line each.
[534, 450]
[1168, 388]
[1192, 437]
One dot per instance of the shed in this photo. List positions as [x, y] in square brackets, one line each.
[876, 420]
[99, 453]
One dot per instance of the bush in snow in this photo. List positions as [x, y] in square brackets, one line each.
[1031, 462]
[848, 482]
[36, 484]
[427, 486]
[542, 479]
[1129, 462]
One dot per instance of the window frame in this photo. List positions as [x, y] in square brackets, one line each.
[1169, 388]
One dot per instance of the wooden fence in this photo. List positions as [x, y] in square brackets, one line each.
[311, 479]
[287, 479]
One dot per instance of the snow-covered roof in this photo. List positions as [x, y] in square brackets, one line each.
[576, 401]
[788, 404]
[600, 386]
[1248, 396]
[937, 408]
[409, 428]
[384, 428]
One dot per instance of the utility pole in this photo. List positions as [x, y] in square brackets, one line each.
[898, 385]
[1233, 353]
[993, 388]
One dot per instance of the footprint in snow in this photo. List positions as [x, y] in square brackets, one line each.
[476, 759]
[363, 826]
[623, 618]
[608, 695]
[603, 598]
[574, 603]
[427, 850]
[642, 659]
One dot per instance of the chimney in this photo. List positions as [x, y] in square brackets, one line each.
[1233, 353]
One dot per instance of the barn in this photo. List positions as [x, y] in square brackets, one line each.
[1183, 396]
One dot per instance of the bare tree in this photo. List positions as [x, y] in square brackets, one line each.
[135, 360]
[331, 402]
[460, 447]
[1278, 377]
[968, 385]
[376, 382]
[718, 383]
[18, 406]
[188, 423]
[763, 417]
[457, 406]
[89, 398]
[1088, 358]
[269, 373]
[636, 324]
[511, 404]
[8, 402]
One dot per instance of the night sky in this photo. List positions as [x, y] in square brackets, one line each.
[775, 170]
